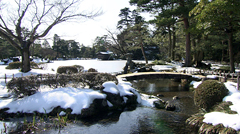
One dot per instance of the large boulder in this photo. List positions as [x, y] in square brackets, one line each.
[98, 106]
[170, 106]
[160, 104]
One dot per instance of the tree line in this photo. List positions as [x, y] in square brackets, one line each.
[192, 30]
[65, 49]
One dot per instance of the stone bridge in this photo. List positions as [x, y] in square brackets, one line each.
[153, 75]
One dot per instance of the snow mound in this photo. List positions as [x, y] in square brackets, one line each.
[73, 98]
[110, 87]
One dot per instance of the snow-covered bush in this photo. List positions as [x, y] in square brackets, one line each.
[23, 86]
[209, 93]
[28, 85]
[54, 81]
[67, 69]
[95, 79]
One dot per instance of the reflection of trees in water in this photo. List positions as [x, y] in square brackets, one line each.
[157, 85]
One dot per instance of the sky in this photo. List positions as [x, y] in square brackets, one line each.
[85, 32]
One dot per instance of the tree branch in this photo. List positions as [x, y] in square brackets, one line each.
[18, 25]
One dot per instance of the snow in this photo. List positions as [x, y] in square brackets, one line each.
[110, 87]
[212, 76]
[146, 101]
[195, 83]
[73, 98]
[77, 99]
[62, 113]
[228, 120]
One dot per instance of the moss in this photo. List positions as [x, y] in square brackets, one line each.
[209, 93]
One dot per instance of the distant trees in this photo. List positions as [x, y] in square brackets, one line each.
[221, 16]
[133, 25]
[33, 19]
[167, 12]
[7, 50]
[65, 48]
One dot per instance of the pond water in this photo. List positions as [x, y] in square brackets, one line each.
[142, 119]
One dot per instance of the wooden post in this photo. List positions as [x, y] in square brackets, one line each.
[5, 78]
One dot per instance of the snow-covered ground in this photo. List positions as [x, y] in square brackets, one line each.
[76, 98]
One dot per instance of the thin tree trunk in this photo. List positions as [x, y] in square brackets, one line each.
[222, 52]
[173, 43]
[170, 43]
[188, 44]
[230, 40]
[143, 52]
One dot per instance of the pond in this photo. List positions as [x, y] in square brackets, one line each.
[142, 119]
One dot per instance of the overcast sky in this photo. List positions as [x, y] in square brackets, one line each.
[86, 32]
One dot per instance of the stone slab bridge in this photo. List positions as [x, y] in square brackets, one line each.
[153, 75]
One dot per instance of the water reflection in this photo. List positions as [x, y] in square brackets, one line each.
[159, 85]
[140, 121]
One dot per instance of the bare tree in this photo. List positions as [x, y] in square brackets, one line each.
[119, 42]
[39, 17]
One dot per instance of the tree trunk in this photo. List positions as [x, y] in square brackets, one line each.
[144, 53]
[25, 58]
[222, 52]
[143, 50]
[170, 43]
[173, 43]
[188, 44]
[230, 41]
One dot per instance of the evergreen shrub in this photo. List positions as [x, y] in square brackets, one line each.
[92, 70]
[18, 64]
[67, 69]
[209, 93]
[14, 65]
